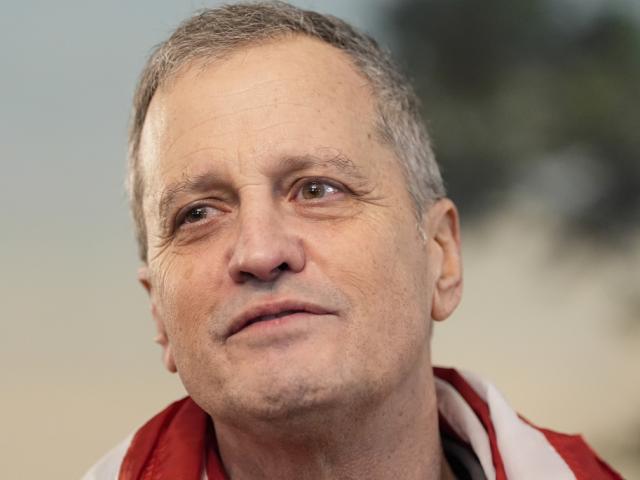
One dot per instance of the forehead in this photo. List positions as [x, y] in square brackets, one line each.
[287, 97]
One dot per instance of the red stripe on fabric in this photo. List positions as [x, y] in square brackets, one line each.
[480, 408]
[578, 455]
[179, 454]
[169, 446]
[144, 441]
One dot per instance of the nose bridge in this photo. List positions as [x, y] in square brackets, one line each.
[259, 219]
[265, 246]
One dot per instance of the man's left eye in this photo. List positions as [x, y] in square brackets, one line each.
[317, 189]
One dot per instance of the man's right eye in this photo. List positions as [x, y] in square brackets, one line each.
[197, 214]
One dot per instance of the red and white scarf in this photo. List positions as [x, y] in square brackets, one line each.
[171, 445]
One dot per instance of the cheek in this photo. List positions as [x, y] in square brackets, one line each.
[191, 295]
[382, 267]
[382, 256]
[188, 291]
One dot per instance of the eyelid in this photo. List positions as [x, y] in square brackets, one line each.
[179, 219]
[297, 186]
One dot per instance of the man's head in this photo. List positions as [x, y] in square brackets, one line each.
[286, 265]
[215, 34]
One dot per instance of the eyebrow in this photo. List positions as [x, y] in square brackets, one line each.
[207, 181]
[338, 161]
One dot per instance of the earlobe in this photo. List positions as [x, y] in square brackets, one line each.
[161, 337]
[445, 259]
[167, 356]
[144, 278]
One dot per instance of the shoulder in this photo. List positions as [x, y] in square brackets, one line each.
[108, 466]
[506, 444]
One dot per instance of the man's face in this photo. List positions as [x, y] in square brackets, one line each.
[286, 267]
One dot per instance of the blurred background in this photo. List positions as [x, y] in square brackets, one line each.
[534, 108]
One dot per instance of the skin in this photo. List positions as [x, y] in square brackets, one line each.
[266, 181]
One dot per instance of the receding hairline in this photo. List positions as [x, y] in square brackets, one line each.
[205, 60]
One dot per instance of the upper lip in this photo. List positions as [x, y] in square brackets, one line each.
[254, 312]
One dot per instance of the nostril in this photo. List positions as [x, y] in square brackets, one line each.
[283, 266]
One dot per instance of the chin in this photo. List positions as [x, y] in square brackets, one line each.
[296, 402]
[279, 395]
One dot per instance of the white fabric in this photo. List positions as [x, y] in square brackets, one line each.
[107, 467]
[526, 453]
[464, 422]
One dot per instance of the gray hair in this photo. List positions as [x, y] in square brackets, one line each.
[215, 33]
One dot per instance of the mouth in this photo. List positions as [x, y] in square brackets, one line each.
[275, 313]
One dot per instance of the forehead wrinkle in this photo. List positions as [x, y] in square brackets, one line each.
[222, 116]
[259, 84]
[192, 70]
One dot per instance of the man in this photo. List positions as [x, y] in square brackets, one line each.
[297, 245]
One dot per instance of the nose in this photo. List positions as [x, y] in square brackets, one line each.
[265, 248]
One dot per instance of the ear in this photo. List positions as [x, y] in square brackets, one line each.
[161, 338]
[443, 230]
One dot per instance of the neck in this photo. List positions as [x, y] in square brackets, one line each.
[395, 438]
